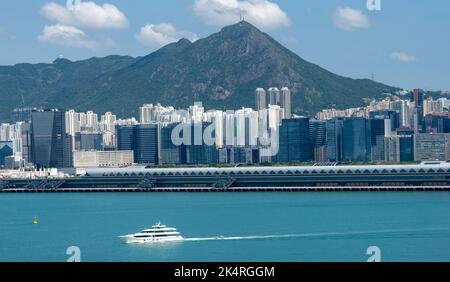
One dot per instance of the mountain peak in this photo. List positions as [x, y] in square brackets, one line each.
[242, 26]
[184, 42]
[61, 61]
[222, 70]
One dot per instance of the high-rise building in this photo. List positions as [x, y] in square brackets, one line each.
[26, 138]
[239, 117]
[399, 148]
[334, 139]
[219, 121]
[150, 113]
[418, 99]
[146, 150]
[406, 144]
[22, 114]
[318, 135]
[229, 129]
[91, 121]
[125, 137]
[51, 146]
[274, 116]
[431, 106]
[274, 97]
[146, 113]
[403, 109]
[391, 115]
[356, 140]
[391, 149]
[251, 128]
[379, 129]
[108, 140]
[196, 112]
[286, 102]
[432, 147]
[107, 127]
[437, 123]
[73, 125]
[260, 97]
[169, 152]
[5, 132]
[444, 105]
[87, 141]
[198, 152]
[72, 122]
[107, 122]
[246, 127]
[294, 141]
[142, 139]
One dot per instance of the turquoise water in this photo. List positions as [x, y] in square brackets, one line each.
[406, 226]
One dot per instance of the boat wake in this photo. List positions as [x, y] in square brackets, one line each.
[386, 232]
[243, 237]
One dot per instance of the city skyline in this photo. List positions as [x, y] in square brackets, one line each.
[138, 29]
[404, 127]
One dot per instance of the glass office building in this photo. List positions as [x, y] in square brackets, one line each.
[146, 144]
[391, 115]
[169, 152]
[295, 142]
[318, 135]
[142, 139]
[88, 141]
[51, 146]
[125, 137]
[406, 148]
[197, 152]
[356, 140]
[334, 139]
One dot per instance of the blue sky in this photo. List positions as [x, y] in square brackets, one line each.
[404, 44]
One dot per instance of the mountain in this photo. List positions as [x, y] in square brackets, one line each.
[222, 70]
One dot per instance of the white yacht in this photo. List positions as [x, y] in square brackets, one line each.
[156, 234]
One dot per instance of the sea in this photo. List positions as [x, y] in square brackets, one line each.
[230, 227]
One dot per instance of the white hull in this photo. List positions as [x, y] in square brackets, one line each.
[157, 234]
[132, 240]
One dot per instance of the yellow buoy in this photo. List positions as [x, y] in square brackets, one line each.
[35, 221]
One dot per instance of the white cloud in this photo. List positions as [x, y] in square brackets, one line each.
[262, 13]
[403, 57]
[86, 15]
[71, 37]
[349, 19]
[157, 35]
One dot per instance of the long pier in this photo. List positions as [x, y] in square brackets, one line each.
[218, 190]
[433, 176]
